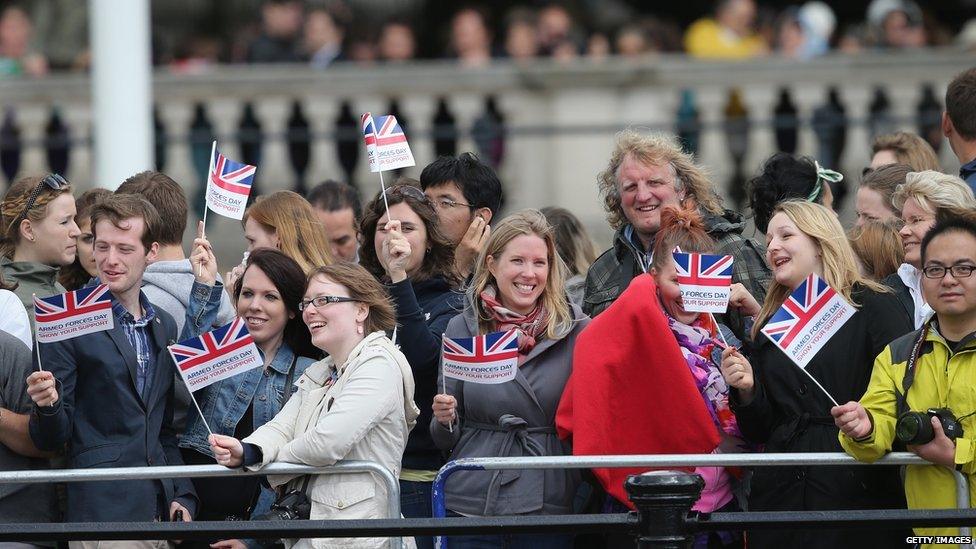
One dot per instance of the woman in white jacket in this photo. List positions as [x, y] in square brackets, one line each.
[355, 404]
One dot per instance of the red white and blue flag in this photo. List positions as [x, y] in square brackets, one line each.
[216, 355]
[809, 317]
[228, 185]
[490, 358]
[73, 314]
[386, 144]
[704, 280]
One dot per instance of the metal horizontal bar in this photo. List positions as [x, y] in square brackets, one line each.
[681, 460]
[622, 523]
[181, 471]
[778, 520]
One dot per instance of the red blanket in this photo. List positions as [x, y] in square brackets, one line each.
[631, 391]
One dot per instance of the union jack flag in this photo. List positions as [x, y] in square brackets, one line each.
[493, 347]
[198, 351]
[803, 305]
[232, 176]
[73, 314]
[703, 269]
[388, 131]
[369, 130]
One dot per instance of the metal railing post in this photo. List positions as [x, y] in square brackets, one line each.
[962, 497]
[663, 500]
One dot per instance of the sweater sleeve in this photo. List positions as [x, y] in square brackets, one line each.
[757, 418]
[419, 337]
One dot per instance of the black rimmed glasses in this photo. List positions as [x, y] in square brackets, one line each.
[323, 300]
[53, 181]
[958, 271]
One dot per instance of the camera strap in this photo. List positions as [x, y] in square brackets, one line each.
[901, 399]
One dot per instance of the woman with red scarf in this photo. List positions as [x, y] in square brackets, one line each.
[518, 284]
[701, 340]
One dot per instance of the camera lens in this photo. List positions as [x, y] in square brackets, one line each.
[914, 428]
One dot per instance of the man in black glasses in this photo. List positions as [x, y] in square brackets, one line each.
[926, 377]
[466, 194]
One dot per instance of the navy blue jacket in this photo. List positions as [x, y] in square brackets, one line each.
[423, 310]
[106, 423]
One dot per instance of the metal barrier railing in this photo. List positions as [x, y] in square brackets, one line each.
[677, 460]
[200, 471]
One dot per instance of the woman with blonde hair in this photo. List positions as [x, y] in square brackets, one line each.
[877, 246]
[518, 284]
[575, 248]
[37, 217]
[778, 406]
[285, 221]
[924, 197]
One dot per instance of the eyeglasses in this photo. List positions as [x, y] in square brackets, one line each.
[323, 300]
[958, 271]
[445, 203]
[54, 181]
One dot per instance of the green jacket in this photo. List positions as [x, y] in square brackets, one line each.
[31, 278]
[612, 272]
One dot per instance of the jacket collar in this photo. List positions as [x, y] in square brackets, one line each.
[282, 359]
[321, 370]
[30, 271]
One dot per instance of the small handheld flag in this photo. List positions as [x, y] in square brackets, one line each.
[490, 358]
[73, 314]
[216, 355]
[809, 317]
[704, 280]
[228, 185]
[386, 144]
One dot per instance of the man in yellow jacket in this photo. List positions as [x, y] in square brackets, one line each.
[935, 367]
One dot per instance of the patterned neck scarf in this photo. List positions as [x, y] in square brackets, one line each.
[696, 344]
[529, 326]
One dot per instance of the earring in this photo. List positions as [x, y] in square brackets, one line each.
[359, 328]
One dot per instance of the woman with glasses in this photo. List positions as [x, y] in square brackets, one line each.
[408, 253]
[83, 269]
[39, 231]
[924, 196]
[778, 406]
[267, 299]
[356, 404]
[518, 285]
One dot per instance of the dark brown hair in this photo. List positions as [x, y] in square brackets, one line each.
[75, 276]
[960, 102]
[168, 198]
[119, 207]
[572, 241]
[289, 279]
[683, 228]
[439, 258]
[363, 288]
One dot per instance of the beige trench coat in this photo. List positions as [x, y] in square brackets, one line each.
[365, 415]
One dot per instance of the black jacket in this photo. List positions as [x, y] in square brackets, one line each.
[790, 414]
[901, 291]
[612, 272]
[423, 311]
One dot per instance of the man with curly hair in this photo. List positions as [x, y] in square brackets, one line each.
[647, 173]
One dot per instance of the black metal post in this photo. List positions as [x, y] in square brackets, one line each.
[663, 500]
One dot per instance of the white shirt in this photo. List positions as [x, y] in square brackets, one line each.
[912, 278]
[14, 319]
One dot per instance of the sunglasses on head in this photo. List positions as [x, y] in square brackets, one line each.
[406, 190]
[53, 181]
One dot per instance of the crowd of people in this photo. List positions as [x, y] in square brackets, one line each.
[44, 35]
[347, 304]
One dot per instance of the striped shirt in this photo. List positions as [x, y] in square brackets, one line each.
[137, 332]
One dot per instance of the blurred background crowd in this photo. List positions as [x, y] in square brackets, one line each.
[40, 36]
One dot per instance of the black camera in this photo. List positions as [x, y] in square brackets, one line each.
[916, 427]
[293, 505]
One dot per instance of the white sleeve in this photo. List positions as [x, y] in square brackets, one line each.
[14, 319]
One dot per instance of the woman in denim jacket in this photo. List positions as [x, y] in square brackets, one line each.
[267, 297]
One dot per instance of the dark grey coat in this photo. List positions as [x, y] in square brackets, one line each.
[511, 419]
